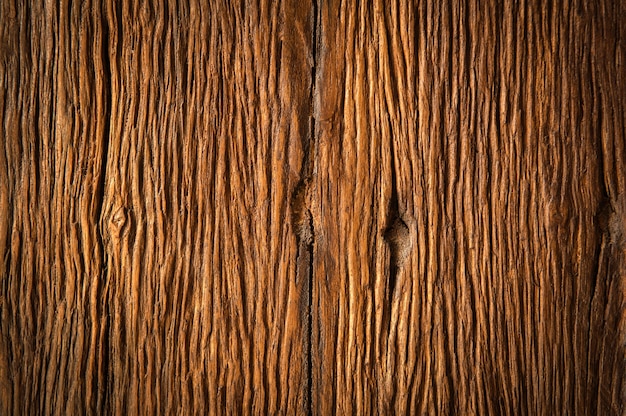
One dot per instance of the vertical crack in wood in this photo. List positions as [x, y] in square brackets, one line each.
[311, 231]
[102, 377]
[302, 222]
[304, 277]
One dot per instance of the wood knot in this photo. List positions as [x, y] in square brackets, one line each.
[118, 221]
[558, 213]
[398, 237]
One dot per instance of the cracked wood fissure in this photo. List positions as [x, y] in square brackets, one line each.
[326, 207]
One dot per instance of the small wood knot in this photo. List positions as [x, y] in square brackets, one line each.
[117, 221]
[398, 236]
[558, 213]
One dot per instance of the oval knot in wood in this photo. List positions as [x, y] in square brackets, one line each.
[398, 236]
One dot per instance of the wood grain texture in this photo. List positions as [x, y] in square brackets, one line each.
[285, 207]
[469, 155]
[53, 138]
[149, 153]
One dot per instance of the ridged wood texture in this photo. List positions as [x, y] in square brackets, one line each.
[470, 157]
[148, 154]
[312, 208]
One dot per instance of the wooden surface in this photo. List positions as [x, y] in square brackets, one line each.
[286, 207]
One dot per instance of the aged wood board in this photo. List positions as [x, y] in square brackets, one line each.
[326, 207]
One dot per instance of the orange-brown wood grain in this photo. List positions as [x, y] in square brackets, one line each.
[325, 207]
[467, 151]
[149, 151]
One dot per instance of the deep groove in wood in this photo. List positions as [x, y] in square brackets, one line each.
[104, 372]
[302, 223]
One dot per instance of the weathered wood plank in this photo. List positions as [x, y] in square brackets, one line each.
[205, 148]
[312, 207]
[467, 155]
[52, 139]
[149, 154]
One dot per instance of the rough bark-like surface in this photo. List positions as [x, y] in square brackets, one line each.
[470, 158]
[312, 207]
[149, 153]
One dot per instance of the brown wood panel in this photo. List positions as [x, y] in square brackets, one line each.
[470, 157]
[53, 325]
[327, 207]
[149, 153]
